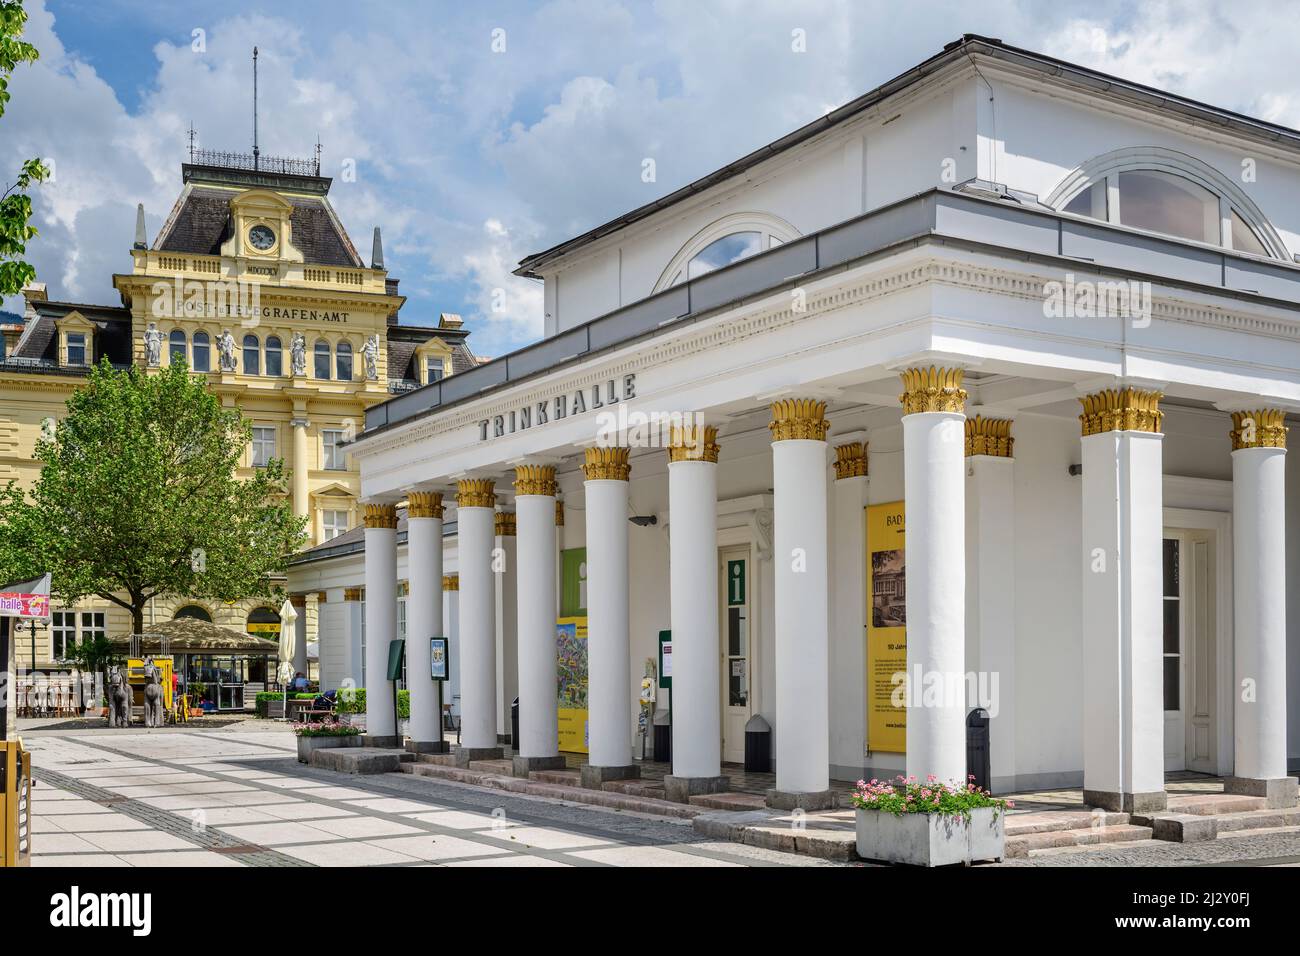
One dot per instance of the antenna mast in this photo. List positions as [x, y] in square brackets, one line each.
[256, 151]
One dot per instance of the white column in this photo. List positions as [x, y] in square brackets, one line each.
[693, 585]
[991, 586]
[423, 609]
[535, 558]
[802, 616]
[609, 692]
[1259, 603]
[1122, 594]
[935, 542]
[476, 537]
[507, 620]
[381, 616]
[848, 641]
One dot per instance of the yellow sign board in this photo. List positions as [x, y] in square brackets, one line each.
[571, 683]
[886, 627]
[135, 678]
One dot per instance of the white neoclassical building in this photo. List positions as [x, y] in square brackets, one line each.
[981, 379]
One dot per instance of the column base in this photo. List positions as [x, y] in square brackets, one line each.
[1278, 792]
[681, 789]
[523, 766]
[800, 800]
[1126, 802]
[465, 754]
[376, 740]
[428, 747]
[594, 777]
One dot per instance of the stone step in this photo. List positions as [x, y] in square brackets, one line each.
[1203, 804]
[1026, 843]
[492, 766]
[599, 798]
[729, 801]
[635, 788]
[1045, 821]
[442, 760]
[1199, 827]
[567, 778]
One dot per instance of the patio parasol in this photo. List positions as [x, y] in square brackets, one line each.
[288, 638]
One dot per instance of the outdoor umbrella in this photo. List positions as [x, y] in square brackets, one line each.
[288, 638]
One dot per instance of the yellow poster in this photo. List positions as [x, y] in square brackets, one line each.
[571, 683]
[886, 626]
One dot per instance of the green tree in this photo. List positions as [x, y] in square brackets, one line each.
[138, 498]
[15, 203]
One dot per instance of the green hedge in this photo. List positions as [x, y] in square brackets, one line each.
[354, 702]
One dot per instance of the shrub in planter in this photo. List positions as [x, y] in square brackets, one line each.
[354, 702]
[326, 734]
[928, 824]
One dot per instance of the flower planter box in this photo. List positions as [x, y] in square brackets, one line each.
[931, 839]
[307, 744]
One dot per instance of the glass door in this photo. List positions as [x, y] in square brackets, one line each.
[1173, 655]
[735, 593]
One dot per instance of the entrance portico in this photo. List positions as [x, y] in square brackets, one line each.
[1033, 588]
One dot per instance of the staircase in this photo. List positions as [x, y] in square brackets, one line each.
[1031, 833]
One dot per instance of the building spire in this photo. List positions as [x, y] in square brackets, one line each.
[377, 252]
[141, 237]
[256, 151]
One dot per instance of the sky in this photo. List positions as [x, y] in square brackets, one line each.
[483, 132]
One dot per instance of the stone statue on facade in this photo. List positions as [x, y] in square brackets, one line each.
[226, 350]
[153, 345]
[119, 699]
[371, 353]
[298, 353]
[153, 708]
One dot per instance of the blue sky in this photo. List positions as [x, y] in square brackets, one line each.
[469, 158]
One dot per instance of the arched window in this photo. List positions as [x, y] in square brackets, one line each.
[176, 346]
[252, 356]
[1170, 193]
[194, 611]
[274, 366]
[343, 362]
[724, 242]
[264, 622]
[202, 354]
[322, 351]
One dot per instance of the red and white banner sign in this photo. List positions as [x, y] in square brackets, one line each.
[26, 599]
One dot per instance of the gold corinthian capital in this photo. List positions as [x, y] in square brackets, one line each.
[932, 390]
[609, 464]
[504, 524]
[693, 443]
[1121, 410]
[381, 516]
[535, 480]
[424, 504]
[476, 493]
[851, 460]
[451, 582]
[798, 418]
[1262, 428]
[989, 436]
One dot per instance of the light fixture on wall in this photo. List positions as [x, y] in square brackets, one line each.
[644, 521]
[1075, 471]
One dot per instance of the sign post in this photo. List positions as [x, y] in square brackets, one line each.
[396, 653]
[440, 673]
[29, 600]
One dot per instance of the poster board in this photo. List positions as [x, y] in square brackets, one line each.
[573, 582]
[571, 683]
[886, 626]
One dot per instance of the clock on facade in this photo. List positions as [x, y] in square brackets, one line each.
[261, 237]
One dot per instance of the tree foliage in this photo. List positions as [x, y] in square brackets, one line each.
[138, 498]
[15, 203]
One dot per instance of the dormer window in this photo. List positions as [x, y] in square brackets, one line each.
[76, 348]
[433, 369]
[1172, 194]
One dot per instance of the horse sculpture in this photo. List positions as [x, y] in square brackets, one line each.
[119, 699]
[153, 707]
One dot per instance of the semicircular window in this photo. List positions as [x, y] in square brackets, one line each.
[194, 611]
[1157, 201]
[723, 252]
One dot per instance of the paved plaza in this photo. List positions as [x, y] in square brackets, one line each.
[239, 797]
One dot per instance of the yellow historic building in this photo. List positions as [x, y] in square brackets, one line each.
[255, 284]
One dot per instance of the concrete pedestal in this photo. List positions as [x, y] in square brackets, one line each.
[801, 800]
[593, 778]
[464, 755]
[681, 789]
[523, 766]
[428, 747]
[1278, 792]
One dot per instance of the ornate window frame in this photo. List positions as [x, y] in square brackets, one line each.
[1107, 167]
[770, 226]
